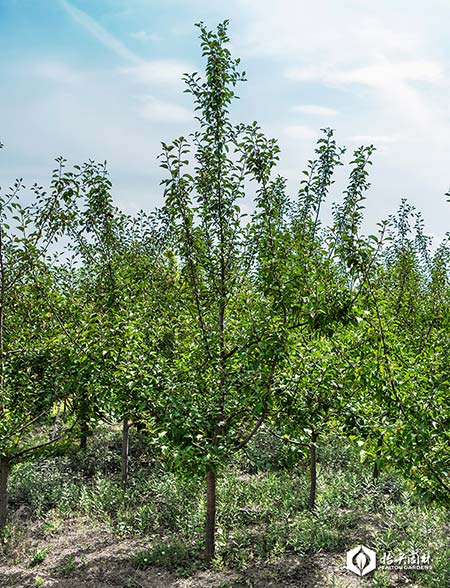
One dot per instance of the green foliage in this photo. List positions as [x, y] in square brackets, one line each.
[68, 566]
[216, 331]
[41, 486]
[38, 557]
[29, 401]
[224, 355]
[266, 452]
[398, 373]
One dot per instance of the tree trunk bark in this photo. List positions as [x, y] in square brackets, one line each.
[4, 473]
[83, 412]
[125, 449]
[210, 542]
[313, 471]
[376, 465]
[83, 437]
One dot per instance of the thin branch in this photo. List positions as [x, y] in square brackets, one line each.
[286, 439]
[29, 450]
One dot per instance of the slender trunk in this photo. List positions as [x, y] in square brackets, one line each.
[83, 436]
[84, 421]
[4, 473]
[210, 513]
[125, 449]
[313, 471]
[376, 465]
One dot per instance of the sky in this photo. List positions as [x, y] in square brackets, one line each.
[101, 80]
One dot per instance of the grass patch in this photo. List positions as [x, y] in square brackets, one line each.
[175, 556]
[38, 557]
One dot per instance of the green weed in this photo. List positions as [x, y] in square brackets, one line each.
[38, 557]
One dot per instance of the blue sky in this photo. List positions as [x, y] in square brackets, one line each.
[101, 79]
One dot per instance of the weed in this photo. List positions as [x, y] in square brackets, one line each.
[175, 556]
[38, 557]
[68, 565]
[381, 580]
[133, 583]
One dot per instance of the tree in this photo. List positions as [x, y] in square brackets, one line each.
[399, 373]
[245, 287]
[327, 265]
[116, 296]
[30, 398]
[228, 341]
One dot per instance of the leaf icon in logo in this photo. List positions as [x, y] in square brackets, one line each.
[361, 561]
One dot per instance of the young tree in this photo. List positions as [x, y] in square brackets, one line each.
[244, 287]
[228, 341]
[401, 374]
[116, 295]
[30, 399]
[328, 264]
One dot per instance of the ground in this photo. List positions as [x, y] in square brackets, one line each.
[86, 555]
[73, 524]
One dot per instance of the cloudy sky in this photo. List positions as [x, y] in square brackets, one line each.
[101, 79]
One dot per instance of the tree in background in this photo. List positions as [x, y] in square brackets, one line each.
[115, 296]
[401, 367]
[327, 266]
[30, 350]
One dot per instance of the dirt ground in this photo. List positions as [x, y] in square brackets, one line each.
[83, 555]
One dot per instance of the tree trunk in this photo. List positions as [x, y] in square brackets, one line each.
[83, 436]
[376, 465]
[313, 471]
[83, 416]
[4, 473]
[125, 449]
[210, 542]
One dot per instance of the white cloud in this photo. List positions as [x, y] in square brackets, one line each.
[57, 71]
[376, 75]
[366, 49]
[159, 71]
[300, 132]
[315, 109]
[160, 111]
[372, 139]
[145, 37]
[381, 74]
[333, 31]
